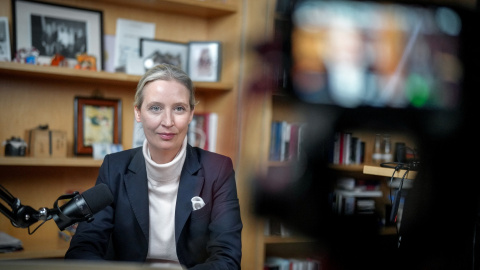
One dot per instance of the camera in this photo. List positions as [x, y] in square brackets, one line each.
[15, 147]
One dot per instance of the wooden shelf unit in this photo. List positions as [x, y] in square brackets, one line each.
[32, 95]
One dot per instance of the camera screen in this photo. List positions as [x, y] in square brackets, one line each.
[353, 54]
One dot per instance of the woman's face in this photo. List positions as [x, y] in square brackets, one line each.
[165, 115]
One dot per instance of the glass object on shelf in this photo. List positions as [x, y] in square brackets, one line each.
[387, 149]
[377, 150]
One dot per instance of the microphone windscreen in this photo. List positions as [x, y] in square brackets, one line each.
[98, 197]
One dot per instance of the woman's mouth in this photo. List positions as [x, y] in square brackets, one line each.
[167, 136]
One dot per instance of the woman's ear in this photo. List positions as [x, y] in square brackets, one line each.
[191, 115]
[136, 111]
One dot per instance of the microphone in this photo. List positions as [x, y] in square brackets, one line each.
[83, 206]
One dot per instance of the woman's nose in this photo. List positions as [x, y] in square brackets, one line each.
[167, 119]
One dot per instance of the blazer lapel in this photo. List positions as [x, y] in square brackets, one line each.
[136, 184]
[190, 186]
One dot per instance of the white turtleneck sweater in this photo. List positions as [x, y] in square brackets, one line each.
[163, 180]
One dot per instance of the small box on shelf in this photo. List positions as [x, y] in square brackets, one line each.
[44, 142]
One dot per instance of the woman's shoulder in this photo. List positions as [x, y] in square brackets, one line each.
[203, 154]
[124, 156]
[209, 159]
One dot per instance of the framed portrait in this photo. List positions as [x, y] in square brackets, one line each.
[97, 120]
[204, 61]
[154, 52]
[57, 29]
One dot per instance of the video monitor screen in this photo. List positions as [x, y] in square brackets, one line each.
[355, 53]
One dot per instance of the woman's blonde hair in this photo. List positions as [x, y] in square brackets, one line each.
[165, 72]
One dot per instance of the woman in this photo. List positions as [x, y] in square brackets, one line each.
[152, 217]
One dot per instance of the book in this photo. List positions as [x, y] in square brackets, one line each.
[202, 131]
[286, 140]
[297, 138]
[346, 149]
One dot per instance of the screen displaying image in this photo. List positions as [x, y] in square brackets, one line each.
[355, 54]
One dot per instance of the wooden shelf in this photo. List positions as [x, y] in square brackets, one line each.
[272, 239]
[347, 168]
[88, 76]
[381, 171]
[204, 9]
[51, 162]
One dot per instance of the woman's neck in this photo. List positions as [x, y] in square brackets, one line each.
[164, 156]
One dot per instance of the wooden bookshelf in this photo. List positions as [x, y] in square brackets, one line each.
[32, 95]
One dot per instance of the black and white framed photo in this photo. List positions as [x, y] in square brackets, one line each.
[204, 61]
[154, 52]
[5, 54]
[57, 29]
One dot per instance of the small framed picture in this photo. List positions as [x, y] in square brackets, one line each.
[57, 29]
[204, 61]
[97, 120]
[154, 52]
[5, 54]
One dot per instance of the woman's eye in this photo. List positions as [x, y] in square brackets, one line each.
[180, 109]
[154, 108]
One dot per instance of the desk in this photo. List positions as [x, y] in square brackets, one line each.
[79, 265]
[34, 249]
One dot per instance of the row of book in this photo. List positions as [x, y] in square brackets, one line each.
[202, 131]
[286, 140]
[347, 149]
[279, 263]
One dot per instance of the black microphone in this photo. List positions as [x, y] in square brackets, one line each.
[83, 206]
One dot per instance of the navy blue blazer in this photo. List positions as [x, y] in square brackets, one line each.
[208, 238]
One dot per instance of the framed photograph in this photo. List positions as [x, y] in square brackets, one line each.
[57, 29]
[204, 61]
[154, 52]
[97, 120]
[5, 54]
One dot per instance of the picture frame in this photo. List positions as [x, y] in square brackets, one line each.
[5, 54]
[155, 51]
[57, 29]
[96, 120]
[204, 61]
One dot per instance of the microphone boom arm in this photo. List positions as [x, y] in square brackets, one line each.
[20, 216]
